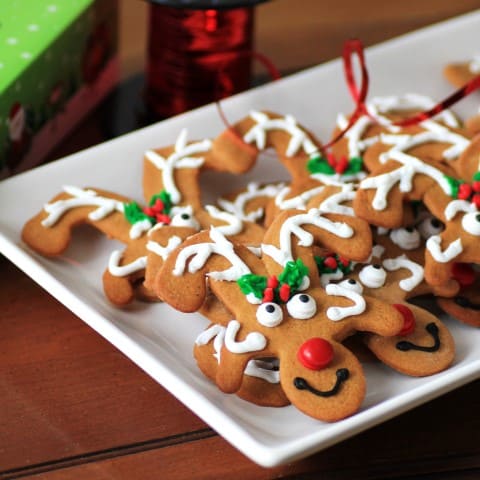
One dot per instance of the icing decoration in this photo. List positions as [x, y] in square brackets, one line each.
[302, 306]
[269, 314]
[406, 238]
[403, 176]
[465, 191]
[200, 253]
[118, 270]
[339, 313]
[447, 255]
[465, 302]
[342, 375]
[407, 284]
[234, 224]
[316, 353]
[352, 284]
[253, 342]
[299, 138]
[408, 319]
[474, 65]
[276, 289]
[299, 201]
[463, 273]
[180, 158]
[373, 276]
[164, 252]
[431, 226]
[471, 223]
[264, 370]
[332, 267]
[377, 252]
[81, 198]
[330, 165]
[238, 206]
[216, 332]
[432, 329]
[332, 204]
[292, 226]
[182, 216]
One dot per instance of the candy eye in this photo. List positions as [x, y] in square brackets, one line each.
[352, 285]
[373, 276]
[302, 306]
[269, 314]
[184, 219]
[471, 223]
[430, 226]
[406, 238]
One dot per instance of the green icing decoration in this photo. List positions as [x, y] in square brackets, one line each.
[251, 283]
[355, 165]
[166, 199]
[319, 165]
[293, 274]
[476, 177]
[134, 213]
[454, 184]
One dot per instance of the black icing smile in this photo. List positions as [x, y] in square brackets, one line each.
[342, 376]
[465, 302]
[432, 329]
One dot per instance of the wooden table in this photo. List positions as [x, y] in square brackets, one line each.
[72, 406]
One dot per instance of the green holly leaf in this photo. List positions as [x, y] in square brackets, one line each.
[454, 185]
[252, 284]
[166, 199]
[355, 165]
[293, 274]
[319, 164]
[134, 213]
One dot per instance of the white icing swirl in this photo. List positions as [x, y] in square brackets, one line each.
[407, 284]
[339, 313]
[447, 255]
[253, 342]
[118, 270]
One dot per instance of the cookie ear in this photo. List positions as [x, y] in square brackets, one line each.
[428, 349]
[328, 394]
[49, 232]
[182, 280]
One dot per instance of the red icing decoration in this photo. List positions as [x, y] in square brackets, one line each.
[268, 295]
[330, 262]
[342, 165]
[163, 218]
[272, 282]
[476, 186]
[284, 292]
[464, 191]
[408, 319]
[476, 200]
[316, 353]
[344, 261]
[463, 273]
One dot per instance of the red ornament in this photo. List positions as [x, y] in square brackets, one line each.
[408, 319]
[330, 262]
[463, 273]
[284, 292]
[316, 353]
[464, 191]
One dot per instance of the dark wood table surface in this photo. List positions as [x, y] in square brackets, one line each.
[72, 406]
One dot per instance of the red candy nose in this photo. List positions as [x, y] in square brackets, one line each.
[315, 353]
[408, 319]
[463, 273]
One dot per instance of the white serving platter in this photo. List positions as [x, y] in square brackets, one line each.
[160, 340]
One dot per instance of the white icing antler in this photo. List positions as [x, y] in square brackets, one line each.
[237, 207]
[403, 176]
[332, 204]
[234, 224]
[299, 138]
[299, 201]
[180, 158]
[293, 227]
[201, 252]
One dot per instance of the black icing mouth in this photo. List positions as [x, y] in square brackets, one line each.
[465, 302]
[342, 375]
[432, 329]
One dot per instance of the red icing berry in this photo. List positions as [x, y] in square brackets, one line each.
[344, 261]
[342, 165]
[463, 273]
[149, 211]
[268, 295]
[476, 200]
[331, 160]
[476, 186]
[408, 319]
[464, 191]
[284, 292]
[315, 354]
[162, 218]
[330, 262]
[272, 282]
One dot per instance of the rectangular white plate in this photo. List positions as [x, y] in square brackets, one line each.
[160, 340]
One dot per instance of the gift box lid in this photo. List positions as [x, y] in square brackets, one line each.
[28, 27]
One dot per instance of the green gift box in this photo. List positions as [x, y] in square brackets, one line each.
[57, 62]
